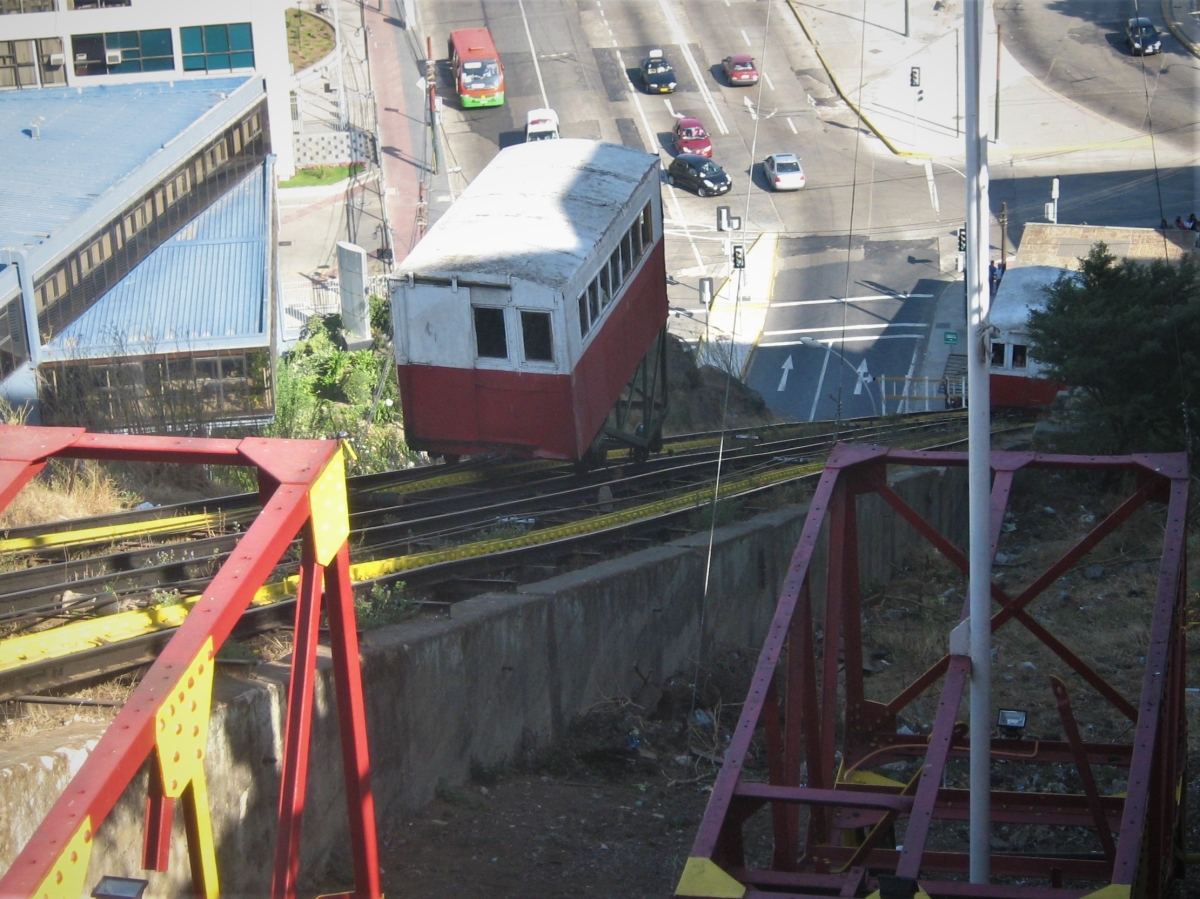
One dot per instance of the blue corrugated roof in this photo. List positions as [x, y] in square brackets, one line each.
[204, 288]
[91, 139]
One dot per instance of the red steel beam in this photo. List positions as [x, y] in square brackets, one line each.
[291, 473]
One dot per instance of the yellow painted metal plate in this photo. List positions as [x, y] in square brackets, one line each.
[65, 880]
[702, 877]
[330, 509]
[181, 724]
[1112, 891]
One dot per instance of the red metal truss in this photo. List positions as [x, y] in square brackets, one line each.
[302, 487]
[822, 734]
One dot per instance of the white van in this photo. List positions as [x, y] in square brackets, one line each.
[541, 124]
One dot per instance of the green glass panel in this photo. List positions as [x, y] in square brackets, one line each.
[241, 37]
[243, 60]
[216, 38]
[191, 40]
[156, 42]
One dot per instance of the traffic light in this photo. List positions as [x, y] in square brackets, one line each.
[914, 76]
[739, 256]
[962, 239]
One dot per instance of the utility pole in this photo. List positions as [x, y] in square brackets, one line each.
[431, 82]
[1004, 233]
[978, 639]
[999, 45]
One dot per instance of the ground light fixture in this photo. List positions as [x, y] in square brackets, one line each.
[1011, 722]
[111, 887]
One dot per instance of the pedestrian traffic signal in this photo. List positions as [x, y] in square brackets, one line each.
[962, 239]
[914, 76]
[739, 256]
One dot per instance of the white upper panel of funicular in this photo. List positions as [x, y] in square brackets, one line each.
[1022, 289]
[534, 213]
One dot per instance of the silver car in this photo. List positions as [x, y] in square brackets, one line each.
[783, 171]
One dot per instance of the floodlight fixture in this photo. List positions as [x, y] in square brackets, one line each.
[1011, 722]
[111, 887]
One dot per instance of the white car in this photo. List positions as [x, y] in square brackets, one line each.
[541, 124]
[783, 171]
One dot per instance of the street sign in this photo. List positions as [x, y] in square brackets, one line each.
[950, 337]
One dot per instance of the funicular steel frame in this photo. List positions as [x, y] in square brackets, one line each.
[851, 811]
[302, 489]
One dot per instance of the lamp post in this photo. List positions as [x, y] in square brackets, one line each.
[828, 348]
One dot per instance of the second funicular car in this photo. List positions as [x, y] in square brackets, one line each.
[691, 137]
[658, 76]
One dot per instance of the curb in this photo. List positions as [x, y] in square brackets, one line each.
[1176, 28]
[846, 97]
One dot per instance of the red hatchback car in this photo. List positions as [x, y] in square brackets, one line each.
[690, 137]
[740, 69]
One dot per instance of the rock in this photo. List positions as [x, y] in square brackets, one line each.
[1094, 572]
[1064, 596]
[1005, 559]
[893, 614]
[1029, 666]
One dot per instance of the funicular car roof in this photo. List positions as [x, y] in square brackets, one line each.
[534, 213]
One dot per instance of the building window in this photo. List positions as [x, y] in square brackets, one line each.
[15, 6]
[121, 52]
[998, 355]
[96, 4]
[491, 341]
[18, 65]
[217, 48]
[535, 334]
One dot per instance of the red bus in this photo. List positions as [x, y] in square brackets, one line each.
[478, 75]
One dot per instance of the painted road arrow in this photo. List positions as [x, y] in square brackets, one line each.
[787, 367]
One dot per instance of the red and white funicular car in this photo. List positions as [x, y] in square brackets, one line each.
[525, 311]
[1015, 377]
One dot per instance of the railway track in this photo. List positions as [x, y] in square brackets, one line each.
[448, 533]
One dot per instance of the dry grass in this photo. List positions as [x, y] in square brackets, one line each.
[310, 38]
[19, 720]
[65, 491]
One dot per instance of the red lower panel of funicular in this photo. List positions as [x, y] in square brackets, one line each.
[1015, 390]
[474, 410]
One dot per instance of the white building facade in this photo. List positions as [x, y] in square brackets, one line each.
[47, 44]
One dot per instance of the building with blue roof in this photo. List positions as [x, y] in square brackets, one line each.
[137, 256]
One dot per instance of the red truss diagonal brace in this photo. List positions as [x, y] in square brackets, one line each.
[833, 818]
[302, 485]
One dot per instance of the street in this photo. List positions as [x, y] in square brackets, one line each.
[866, 248]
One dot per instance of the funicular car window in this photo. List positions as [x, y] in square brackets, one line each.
[594, 298]
[998, 355]
[1020, 356]
[535, 334]
[584, 324]
[627, 253]
[639, 244]
[618, 274]
[491, 340]
[647, 226]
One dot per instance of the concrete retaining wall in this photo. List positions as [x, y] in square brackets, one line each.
[506, 673]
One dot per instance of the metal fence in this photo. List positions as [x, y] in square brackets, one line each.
[301, 300]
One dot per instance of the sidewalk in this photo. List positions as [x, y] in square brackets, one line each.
[872, 63]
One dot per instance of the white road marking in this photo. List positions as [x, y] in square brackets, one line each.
[533, 51]
[681, 39]
[874, 327]
[652, 141]
[671, 109]
[746, 38]
[787, 367]
[749, 104]
[770, 83]
[882, 296]
[792, 126]
[863, 373]
[912, 367]
[832, 340]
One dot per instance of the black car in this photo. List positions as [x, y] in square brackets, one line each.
[696, 173]
[657, 74]
[1143, 37]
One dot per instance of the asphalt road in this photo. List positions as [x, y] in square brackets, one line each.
[1078, 49]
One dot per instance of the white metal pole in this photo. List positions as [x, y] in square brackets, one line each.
[979, 464]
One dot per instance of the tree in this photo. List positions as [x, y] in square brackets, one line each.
[1126, 335]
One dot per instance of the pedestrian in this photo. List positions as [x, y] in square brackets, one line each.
[1179, 223]
[1192, 223]
[1000, 270]
[1165, 226]
[992, 276]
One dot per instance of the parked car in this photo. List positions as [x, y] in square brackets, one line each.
[696, 173]
[690, 137]
[1143, 37]
[658, 77]
[740, 69]
[783, 171]
[541, 124]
